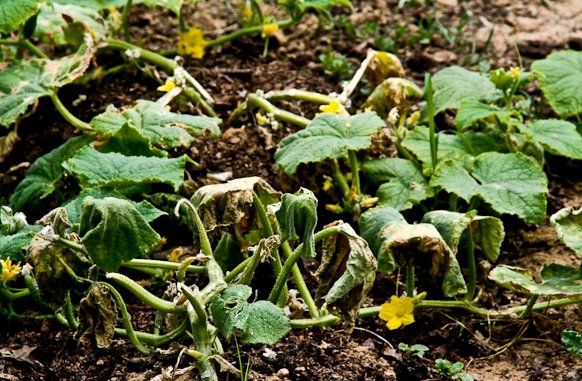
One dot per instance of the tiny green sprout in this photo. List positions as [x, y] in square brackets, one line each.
[455, 371]
[417, 350]
[335, 64]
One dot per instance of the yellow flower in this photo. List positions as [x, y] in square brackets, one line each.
[334, 107]
[269, 30]
[327, 184]
[246, 11]
[398, 312]
[370, 202]
[176, 254]
[9, 271]
[261, 118]
[192, 43]
[515, 72]
[168, 86]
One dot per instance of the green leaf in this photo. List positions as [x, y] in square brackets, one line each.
[510, 183]
[346, 272]
[395, 242]
[97, 316]
[165, 129]
[560, 75]
[56, 21]
[23, 83]
[393, 92]
[226, 205]
[557, 280]
[455, 84]
[12, 245]
[573, 341]
[462, 150]
[74, 207]
[173, 5]
[44, 174]
[227, 252]
[15, 13]
[488, 231]
[568, 225]
[128, 140]
[298, 7]
[558, 137]
[403, 184]
[298, 214]
[95, 169]
[328, 136]
[260, 322]
[471, 111]
[114, 231]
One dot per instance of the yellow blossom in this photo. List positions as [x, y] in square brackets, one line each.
[176, 254]
[370, 202]
[334, 208]
[168, 86]
[246, 11]
[334, 107]
[398, 312]
[269, 30]
[192, 43]
[261, 118]
[515, 72]
[327, 184]
[9, 271]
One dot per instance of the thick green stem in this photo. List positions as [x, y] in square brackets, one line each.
[239, 269]
[157, 340]
[157, 264]
[202, 236]
[144, 295]
[69, 311]
[530, 305]
[11, 296]
[339, 178]
[299, 95]
[428, 91]
[355, 168]
[125, 20]
[69, 117]
[249, 31]
[410, 280]
[262, 103]
[471, 264]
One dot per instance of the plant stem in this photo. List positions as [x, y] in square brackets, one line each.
[248, 31]
[202, 236]
[410, 280]
[339, 178]
[355, 168]
[33, 48]
[300, 95]
[69, 312]
[471, 264]
[157, 264]
[430, 114]
[254, 100]
[125, 20]
[11, 296]
[69, 117]
[530, 305]
[157, 340]
[240, 268]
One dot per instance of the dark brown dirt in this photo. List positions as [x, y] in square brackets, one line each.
[526, 350]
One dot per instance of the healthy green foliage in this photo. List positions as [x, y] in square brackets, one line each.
[115, 223]
[260, 322]
[560, 75]
[568, 225]
[163, 128]
[573, 341]
[15, 234]
[95, 169]
[455, 84]
[44, 174]
[335, 64]
[558, 137]
[15, 13]
[453, 370]
[402, 183]
[417, 350]
[556, 280]
[470, 111]
[510, 183]
[328, 136]
[297, 216]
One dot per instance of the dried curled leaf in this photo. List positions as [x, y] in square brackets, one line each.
[383, 66]
[97, 316]
[393, 92]
[298, 216]
[346, 273]
[568, 225]
[557, 280]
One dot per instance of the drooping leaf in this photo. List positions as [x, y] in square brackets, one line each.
[260, 322]
[471, 111]
[558, 137]
[455, 84]
[44, 174]
[557, 280]
[23, 83]
[560, 75]
[74, 207]
[15, 13]
[57, 19]
[128, 140]
[462, 150]
[573, 341]
[165, 129]
[568, 225]
[15, 234]
[395, 242]
[297, 217]
[393, 92]
[231, 204]
[95, 169]
[328, 136]
[346, 272]
[97, 317]
[402, 183]
[488, 231]
[227, 252]
[510, 183]
[115, 223]
[383, 65]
